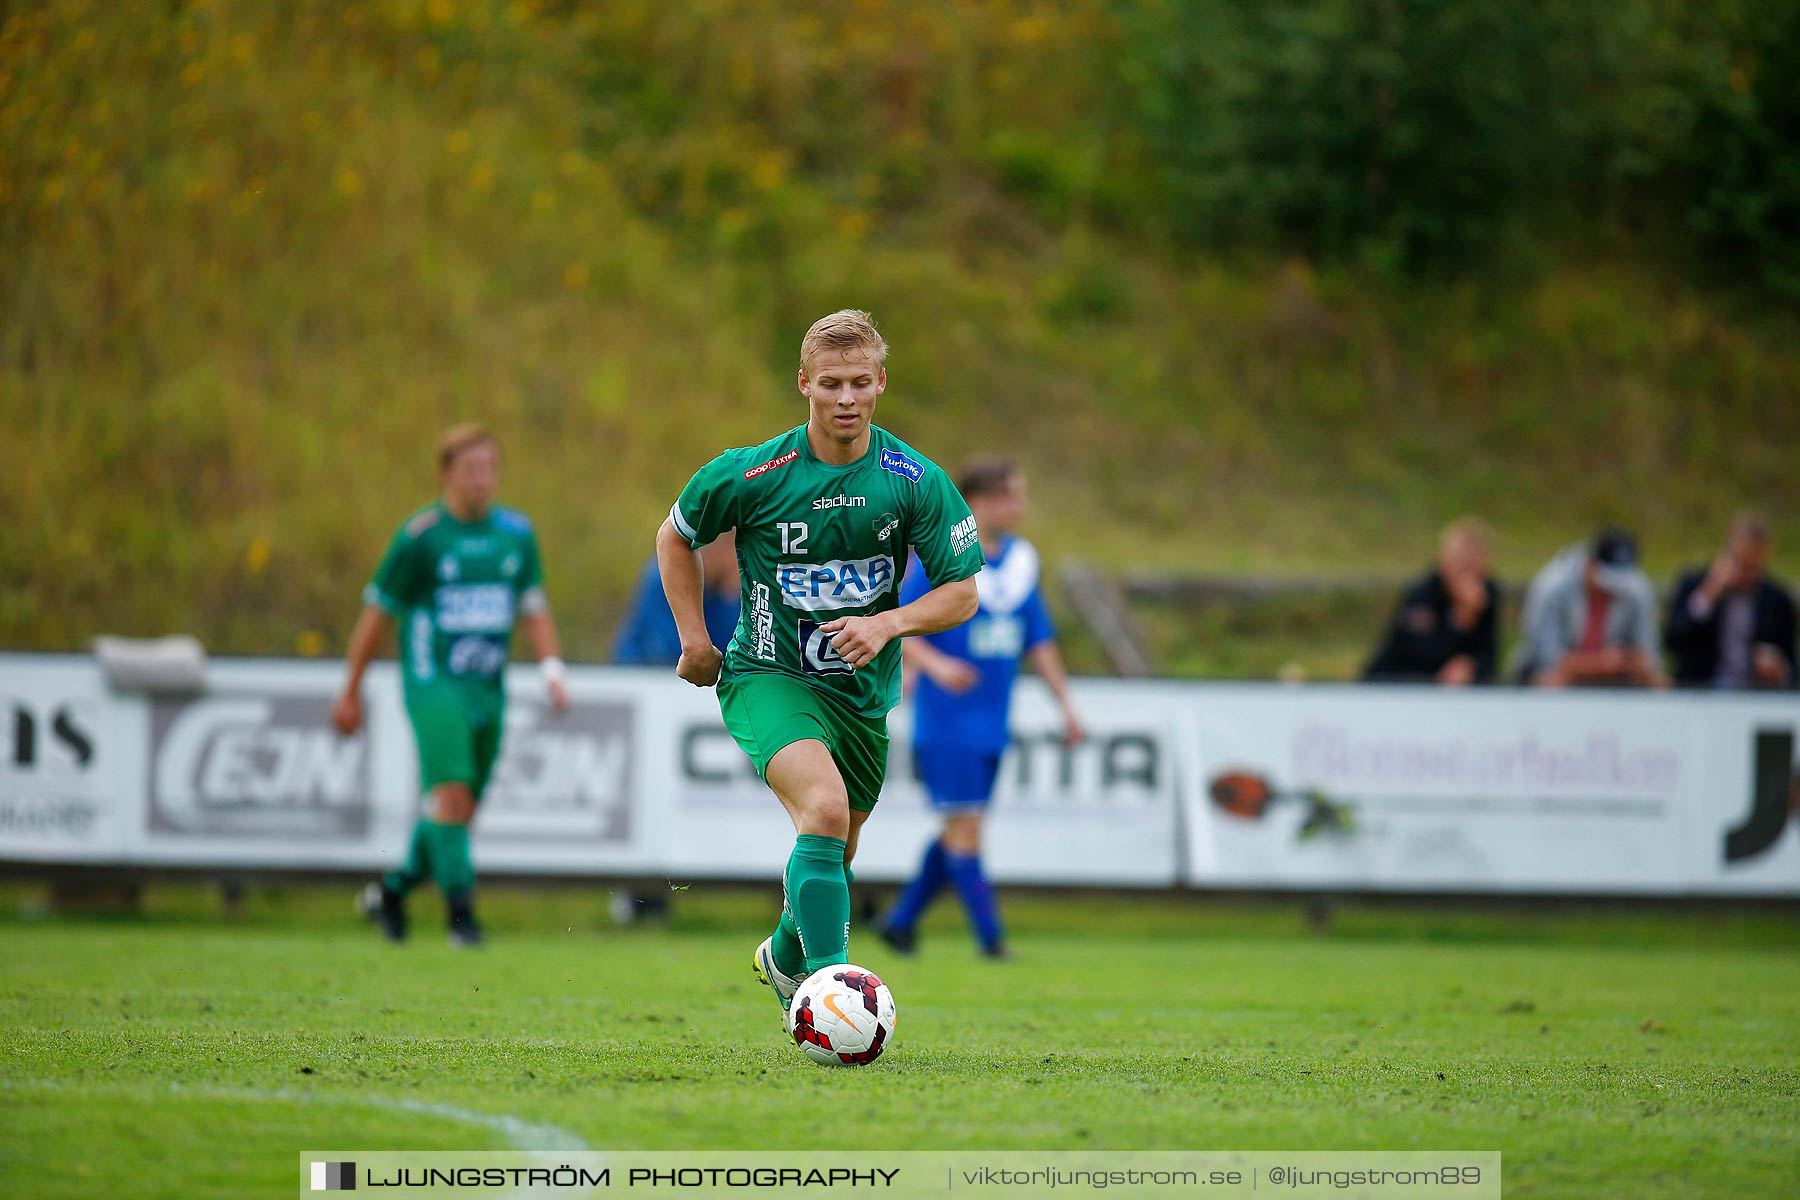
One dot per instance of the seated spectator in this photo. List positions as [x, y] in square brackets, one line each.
[1445, 627]
[1730, 625]
[649, 636]
[1590, 618]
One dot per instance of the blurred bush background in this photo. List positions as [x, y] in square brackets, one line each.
[1271, 286]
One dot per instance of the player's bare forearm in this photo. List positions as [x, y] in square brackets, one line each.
[371, 628]
[924, 656]
[1048, 663]
[860, 639]
[540, 631]
[682, 579]
[939, 609]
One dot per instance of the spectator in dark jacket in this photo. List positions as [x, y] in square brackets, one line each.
[1445, 627]
[1731, 625]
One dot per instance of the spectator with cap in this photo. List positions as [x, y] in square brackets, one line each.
[1730, 625]
[1445, 628]
[649, 638]
[1590, 618]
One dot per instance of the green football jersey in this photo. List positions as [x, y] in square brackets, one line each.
[816, 542]
[456, 588]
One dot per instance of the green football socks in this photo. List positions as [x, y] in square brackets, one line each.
[437, 852]
[816, 917]
[451, 865]
[790, 957]
[417, 867]
[785, 948]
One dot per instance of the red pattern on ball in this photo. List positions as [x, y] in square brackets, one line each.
[864, 982]
[872, 1053]
[804, 1033]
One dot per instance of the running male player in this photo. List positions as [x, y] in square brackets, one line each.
[456, 576]
[962, 701]
[824, 514]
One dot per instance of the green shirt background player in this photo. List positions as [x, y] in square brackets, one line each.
[824, 514]
[457, 577]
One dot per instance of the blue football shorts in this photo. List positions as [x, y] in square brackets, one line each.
[957, 778]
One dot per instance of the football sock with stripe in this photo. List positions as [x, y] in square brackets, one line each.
[784, 947]
[977, 896]
[920, 890]
[819, 899]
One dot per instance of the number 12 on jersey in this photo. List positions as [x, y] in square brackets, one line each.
[793, 537]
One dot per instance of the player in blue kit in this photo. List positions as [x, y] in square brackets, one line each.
[963, 696]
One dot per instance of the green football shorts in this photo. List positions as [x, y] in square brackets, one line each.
[458, 740]
[765, 712]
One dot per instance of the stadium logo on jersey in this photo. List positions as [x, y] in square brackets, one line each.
[884, 526]
[818, 655]
[839, 583]
[900, 464]
[963, 535]
[783, 461]
[840, 501]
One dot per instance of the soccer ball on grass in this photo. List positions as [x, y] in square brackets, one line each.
[842, 1016]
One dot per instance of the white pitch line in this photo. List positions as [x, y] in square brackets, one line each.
[527, 1136]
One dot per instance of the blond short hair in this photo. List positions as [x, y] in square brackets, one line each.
[458, 438]
[846, 330]
[1470, 529]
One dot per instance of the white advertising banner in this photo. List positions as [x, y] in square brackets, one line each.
[1245, 786]
[573, 793]
[1391, 788]
[1098, 813]
[63, 746]
[250, 773]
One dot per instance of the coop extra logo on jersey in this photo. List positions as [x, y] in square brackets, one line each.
[963, 535]
[783, 461]
[839, 583]
[900, 464]
[259, 766]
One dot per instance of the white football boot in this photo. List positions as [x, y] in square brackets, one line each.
[785, 985]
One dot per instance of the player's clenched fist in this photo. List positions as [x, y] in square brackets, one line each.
[859, 639]
[699, 665]
[347, 713]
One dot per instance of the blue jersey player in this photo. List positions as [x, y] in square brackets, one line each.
[963, 695]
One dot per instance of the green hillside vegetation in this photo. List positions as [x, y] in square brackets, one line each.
[1247, 287]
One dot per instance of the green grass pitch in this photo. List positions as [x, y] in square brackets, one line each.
[1619, 1053]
